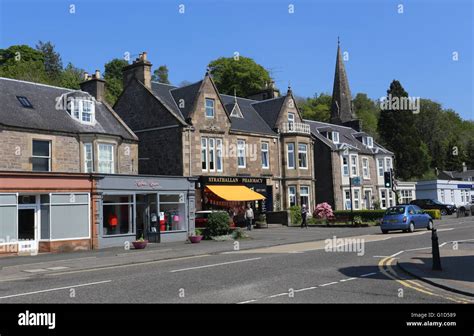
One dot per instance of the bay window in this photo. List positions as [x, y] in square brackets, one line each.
[354, 164]
[106, 158]
[290, 150]
[303, 156]
[365, 168]
[345, 166]
[204, 153]
[219, 155]
[292, 195]
[88, 158]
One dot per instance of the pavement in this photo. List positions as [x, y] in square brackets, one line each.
[277, 265]
[457, 263]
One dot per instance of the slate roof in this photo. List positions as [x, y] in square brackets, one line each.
[347, 136]
[460, 175]
[45, 117]
[269, 109]
[251, 122]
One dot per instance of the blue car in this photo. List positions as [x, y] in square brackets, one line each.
[405, 217]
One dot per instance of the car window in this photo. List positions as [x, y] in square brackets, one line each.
[395, 210]
[411, 210]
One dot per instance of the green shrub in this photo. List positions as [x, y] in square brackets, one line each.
[239, 234]
[434, 213]
[218, 224]
[365, 215]
[358, 220]
[295, 214]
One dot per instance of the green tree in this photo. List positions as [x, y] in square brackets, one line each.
[113, 79]
[52, 60]
[71, 77]
[316, 108]
[24, 63]
[368, 112]
[161, 75]
[241, 74]
[399, 134]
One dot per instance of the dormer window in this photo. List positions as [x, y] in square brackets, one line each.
[83, 110]
[335, 137]
[368, 141]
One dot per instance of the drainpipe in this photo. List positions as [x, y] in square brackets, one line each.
[280, 165]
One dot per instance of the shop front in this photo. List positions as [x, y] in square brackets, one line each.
[159, 209]
[44, 212]
[232, 194]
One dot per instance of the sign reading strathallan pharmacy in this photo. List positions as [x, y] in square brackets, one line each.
[232, 180]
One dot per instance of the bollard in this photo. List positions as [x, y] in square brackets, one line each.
[435, 251]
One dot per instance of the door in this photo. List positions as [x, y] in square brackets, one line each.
[368, 199]
[27, 224]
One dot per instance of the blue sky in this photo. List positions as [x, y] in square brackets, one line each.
[415, 47]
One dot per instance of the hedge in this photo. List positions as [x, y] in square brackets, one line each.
[366, 215]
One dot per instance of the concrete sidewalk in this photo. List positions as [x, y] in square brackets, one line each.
[17, 267]
[457, 273]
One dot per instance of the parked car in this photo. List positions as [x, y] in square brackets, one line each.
[428, 204]
[405, 217]
[466, 209]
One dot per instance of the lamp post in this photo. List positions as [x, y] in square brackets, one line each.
[435, 251]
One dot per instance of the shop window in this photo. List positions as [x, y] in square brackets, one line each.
[117, 214]
[172, 212]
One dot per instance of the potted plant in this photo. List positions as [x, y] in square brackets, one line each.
[140, 244]
[195, 237]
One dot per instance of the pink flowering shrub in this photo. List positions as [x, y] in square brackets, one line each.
[324, 211]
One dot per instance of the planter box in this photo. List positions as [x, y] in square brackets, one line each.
[195, 239]
[139, 245]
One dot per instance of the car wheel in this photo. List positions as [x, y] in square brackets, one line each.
[430, 225]
[411, 227]
[384, 231]
[443, 212]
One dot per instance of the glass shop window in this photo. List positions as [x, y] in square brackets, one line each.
[117, 214]
[172, 212]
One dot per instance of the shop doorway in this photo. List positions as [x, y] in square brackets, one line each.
[147, 221]
[27, 223]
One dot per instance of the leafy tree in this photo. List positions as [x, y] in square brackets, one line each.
[399, 134]
[113, 79]
[23, 62]
[317, 108]
[243, 75]
[161, 75]
[52, 60]
[71, 77]
[368, 112]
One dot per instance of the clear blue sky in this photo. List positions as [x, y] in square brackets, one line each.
[414, 47]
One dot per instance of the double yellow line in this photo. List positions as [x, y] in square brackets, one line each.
[386, 268]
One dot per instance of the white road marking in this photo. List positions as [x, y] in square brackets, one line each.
[450, 229]
[57, 268]
[55, 289]
[417, 249]
[304, 289]
[368, 274]
[277, 295]
[380, 256]
[348, 279]
[249, 301]
[328, 284]
[36, 270]
[441, 245]
[395, 254]
[214, 265]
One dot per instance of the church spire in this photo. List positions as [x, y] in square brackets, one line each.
[341, 105]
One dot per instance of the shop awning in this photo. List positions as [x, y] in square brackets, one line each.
[235, 193]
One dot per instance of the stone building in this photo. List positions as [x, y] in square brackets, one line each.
[52, 142]
[342, 151]
[260, 143]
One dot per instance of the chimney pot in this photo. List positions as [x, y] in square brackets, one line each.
[97, 74]
[144, 56]
[86, 76]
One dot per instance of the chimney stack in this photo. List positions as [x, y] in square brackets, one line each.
[139, 69]
[94, 85]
